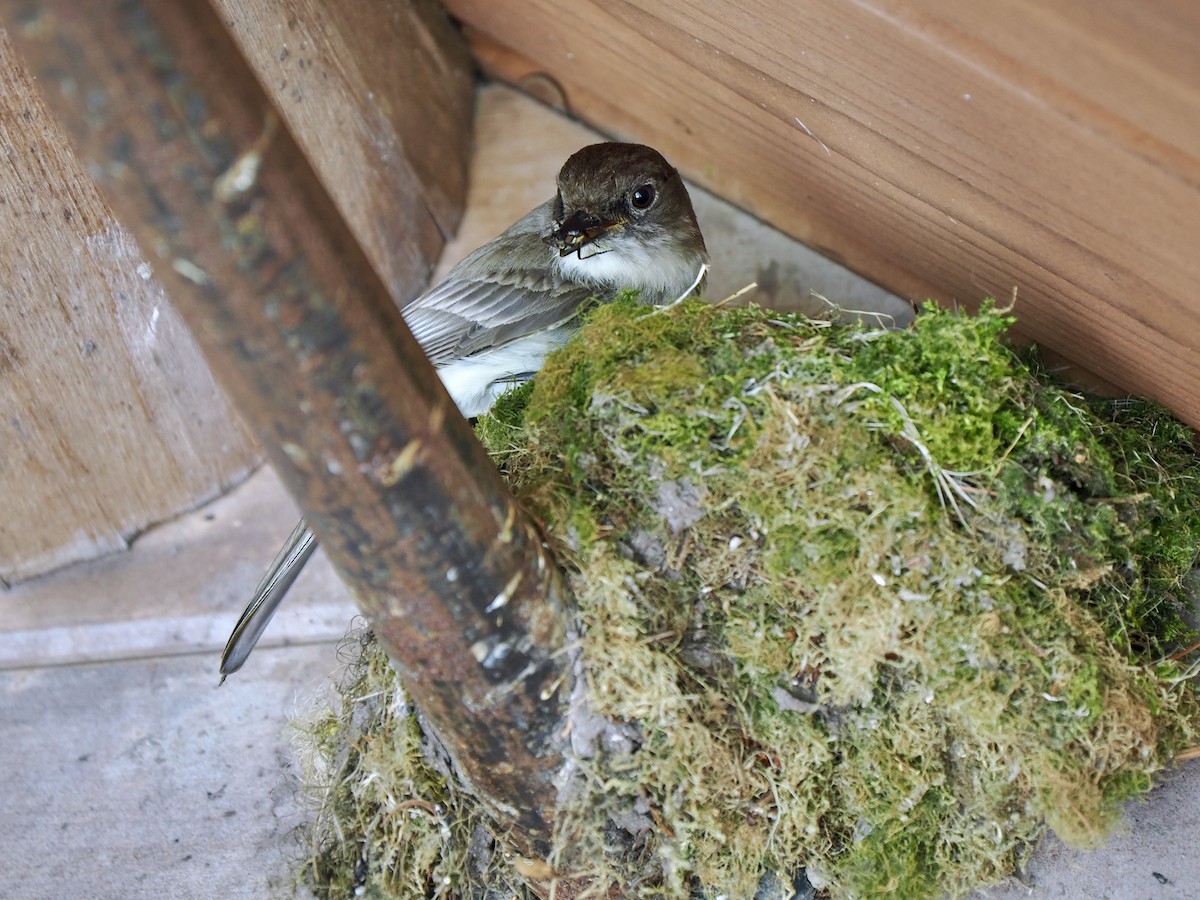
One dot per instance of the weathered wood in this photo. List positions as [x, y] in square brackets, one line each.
[307, 340]
[109, 417]
[379, 97]
[128, 427]
[954, 151]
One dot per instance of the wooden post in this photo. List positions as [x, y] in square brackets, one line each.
[306, 339]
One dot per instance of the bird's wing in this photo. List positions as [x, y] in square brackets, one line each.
[508, 288]
[465, 317]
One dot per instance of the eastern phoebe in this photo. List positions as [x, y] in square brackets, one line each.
[621, 219]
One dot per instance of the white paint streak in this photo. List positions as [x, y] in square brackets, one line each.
[152, 328]
[808, 131]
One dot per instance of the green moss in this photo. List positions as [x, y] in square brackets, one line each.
[387, 822]
[881, 605]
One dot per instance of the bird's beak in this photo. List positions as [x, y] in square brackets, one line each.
[577, 231]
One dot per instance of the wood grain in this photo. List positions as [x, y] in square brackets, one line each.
[112, 420]
[109, 417]
[953, 151]
[378, 96]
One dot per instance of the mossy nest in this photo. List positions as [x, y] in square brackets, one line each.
[875, 605]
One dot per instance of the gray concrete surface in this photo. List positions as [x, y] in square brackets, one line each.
[178, 589]
[1155, 854]
[126, 773]
[139, 779]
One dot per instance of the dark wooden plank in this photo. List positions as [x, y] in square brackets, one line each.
[308, 341]
[114, 420]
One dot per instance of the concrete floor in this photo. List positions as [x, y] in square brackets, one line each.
[126, 773]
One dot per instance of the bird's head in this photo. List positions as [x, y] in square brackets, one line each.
[627, 203]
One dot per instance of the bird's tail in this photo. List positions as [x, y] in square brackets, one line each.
[267, 596]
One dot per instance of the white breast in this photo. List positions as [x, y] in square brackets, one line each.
[475, 382]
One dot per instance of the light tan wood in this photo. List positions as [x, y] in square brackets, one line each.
[109, 417]
[379, 97]
[112, 420]
[956, 151]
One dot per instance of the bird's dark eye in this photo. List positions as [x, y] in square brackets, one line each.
[642, 197]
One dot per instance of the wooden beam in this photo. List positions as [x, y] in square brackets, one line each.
[115, 422]
[379, 96]
[953, 151]
[307, 340]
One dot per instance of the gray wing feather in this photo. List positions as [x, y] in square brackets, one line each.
[503, 291]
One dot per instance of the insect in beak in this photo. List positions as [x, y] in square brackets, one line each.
[576, 232]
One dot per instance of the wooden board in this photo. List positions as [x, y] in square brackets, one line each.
[953, 151]
[110, 418]
[379, 97]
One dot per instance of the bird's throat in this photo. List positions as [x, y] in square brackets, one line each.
[658, 269]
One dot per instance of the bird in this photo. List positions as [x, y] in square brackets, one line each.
[621, 219]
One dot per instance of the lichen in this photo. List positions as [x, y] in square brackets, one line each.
[877, 605]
